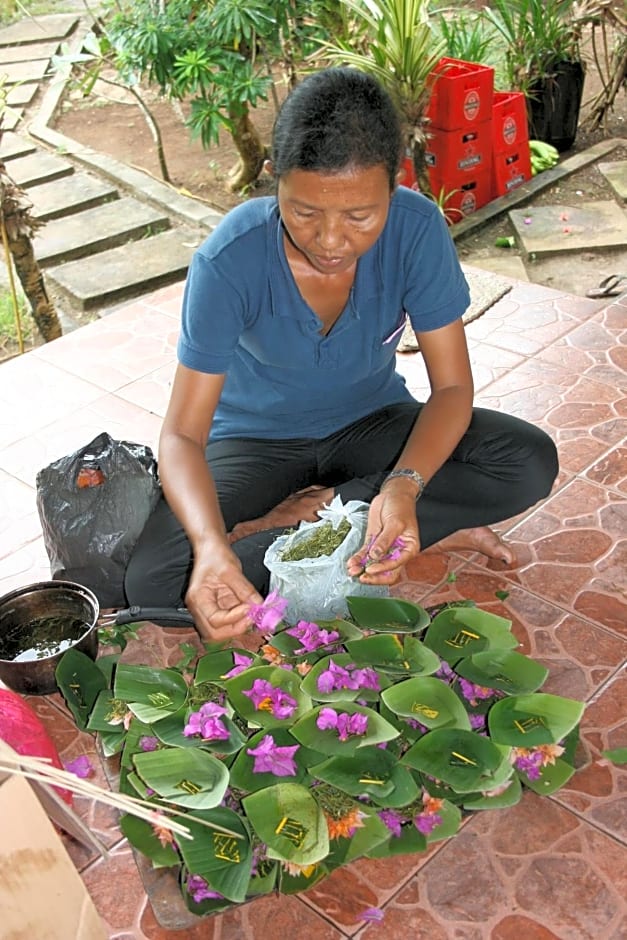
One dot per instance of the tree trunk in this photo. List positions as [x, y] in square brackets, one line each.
[32, 281]
[420, 167]
[251, 151]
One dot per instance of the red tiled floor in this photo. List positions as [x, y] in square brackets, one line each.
[547, 868]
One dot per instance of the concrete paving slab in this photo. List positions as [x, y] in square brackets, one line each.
[39, 167]
[70, 194]
[14, 72]
[22, 94]
[12, 146]
[550, 230]
[38, 28]
[98, 229]
[11, 118]
[505, 264]
[137, 268]
[29, 52]
[616, 175]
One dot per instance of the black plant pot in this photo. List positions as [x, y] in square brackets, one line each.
[553, 105]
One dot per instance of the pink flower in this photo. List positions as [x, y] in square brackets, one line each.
[200, 890]
[272, 759]
[206, 722]
[241, 663]
[311, 636]
[267, 615]
[148, 743]
[372, 915]
[267, 697]
[328, 719]
[392, 820]
[473, 693]
[427, 822]
[80, 766]
[336, 677]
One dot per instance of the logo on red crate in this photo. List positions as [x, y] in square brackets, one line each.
[468, 203]
[509, 130]
[472, 103]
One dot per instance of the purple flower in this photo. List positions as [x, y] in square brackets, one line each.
[269, 698]
[311, 636]
[267, 615]
[345, 724]
[373, 915]
[336, 677]
[206, 722]
[427, 822]
[148, 743]
[241, 663]
[445, 672]
[272, 759]
[529, 764]
[80, 766]
[200, 890]
[392, 820]
[473, 692]
[477, 722]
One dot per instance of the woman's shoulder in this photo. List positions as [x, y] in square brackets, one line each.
[242, 225]
[410, 203]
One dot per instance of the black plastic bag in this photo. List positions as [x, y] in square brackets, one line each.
[93, 505]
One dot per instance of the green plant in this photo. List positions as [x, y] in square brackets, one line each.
[467, 33]
[369, 736]
[537, 35]
[394, 41]
[12, 330]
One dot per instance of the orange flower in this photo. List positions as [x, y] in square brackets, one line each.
[303, 668]
[346, 825]
[431, 804]
[296, 870]
[160, 828]
[271, 654]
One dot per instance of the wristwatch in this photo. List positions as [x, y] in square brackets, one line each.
[410, 474]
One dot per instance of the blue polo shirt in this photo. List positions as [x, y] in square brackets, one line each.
[243, 316]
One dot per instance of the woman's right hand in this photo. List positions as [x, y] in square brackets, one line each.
[219, 596]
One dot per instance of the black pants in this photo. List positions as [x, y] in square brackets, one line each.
[501, 466]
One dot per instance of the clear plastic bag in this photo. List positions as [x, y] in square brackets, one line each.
[316, 588]
[93, 505]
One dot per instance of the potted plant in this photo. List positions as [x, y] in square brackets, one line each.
[543, 60]
[394, 41]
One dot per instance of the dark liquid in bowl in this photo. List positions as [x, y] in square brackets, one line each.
[41, 637]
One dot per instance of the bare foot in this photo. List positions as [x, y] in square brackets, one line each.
[299, 507]
[482, 539]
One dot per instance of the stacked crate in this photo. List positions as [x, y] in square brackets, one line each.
[511, 160]
[459, 136]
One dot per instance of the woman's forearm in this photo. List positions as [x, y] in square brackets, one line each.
[440, 426]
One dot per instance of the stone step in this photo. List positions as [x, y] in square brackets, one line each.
[37, 29]
[27, 71]
[22, 94]
[96, 230]
[616, 175]
[12, 146]
[39, 167]
[126, 271]
[29, 52]
[68, 195]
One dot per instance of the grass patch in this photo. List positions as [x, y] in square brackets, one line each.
[8, 327]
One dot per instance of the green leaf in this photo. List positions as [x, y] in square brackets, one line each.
[214, 666]
[372, 833]
[263, 883]
[409, 841]
[505, 670]
[529, 720]
[386, 652]
[288, 819]
[464, 760]
[80, 682]
[508, 797]
[458, 632]
[142, 836]
[223, 860]
[187, 777]
[372, 772]
[151, 693]
[451, 817]
[551, 778]
[618, 755]
[429, 701]
[387, 614]
[101, 712]
[327, 742]
[111, 742]
[286, 644]
[295, 884]
[244, 778]
[283, 679]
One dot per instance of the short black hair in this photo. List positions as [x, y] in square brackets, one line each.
[336, 118]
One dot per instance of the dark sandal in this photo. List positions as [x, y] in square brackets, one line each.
[609, 286]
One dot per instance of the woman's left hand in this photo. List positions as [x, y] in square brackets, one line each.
[392, 538]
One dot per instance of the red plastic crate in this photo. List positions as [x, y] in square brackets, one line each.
[462, 195]
[467, 150]
[509, 120]
[510, 169]
[461, 94]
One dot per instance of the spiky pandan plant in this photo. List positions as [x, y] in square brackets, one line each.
[394, 41]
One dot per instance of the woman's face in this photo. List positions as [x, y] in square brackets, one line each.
[333, 219]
